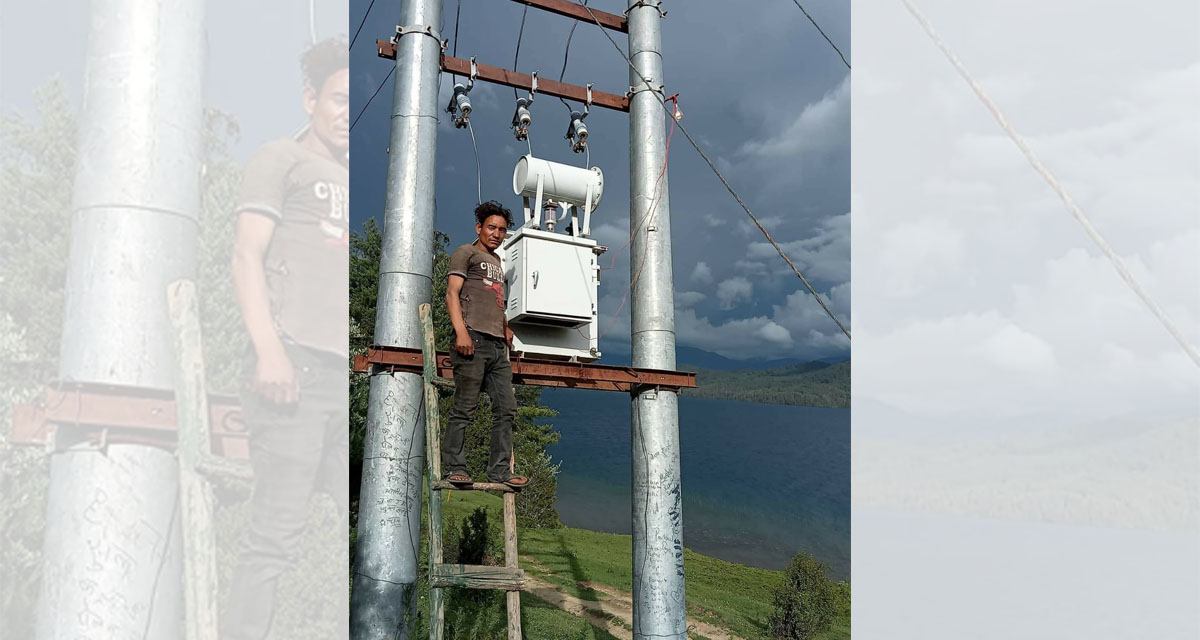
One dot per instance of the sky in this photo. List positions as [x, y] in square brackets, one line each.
[971, 276]
[761, 91]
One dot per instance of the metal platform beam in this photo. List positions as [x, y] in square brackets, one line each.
[113, 414]
[500, 75]
[544, 373]
[575, 10]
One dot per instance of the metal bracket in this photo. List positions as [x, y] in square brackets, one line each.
[647, 391]
[533, 87]
[660, 89]
[474, 74]
[423, 29]
[654, 4]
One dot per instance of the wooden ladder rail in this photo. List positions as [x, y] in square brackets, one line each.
[509, 577]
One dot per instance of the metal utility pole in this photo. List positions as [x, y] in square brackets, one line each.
[389, 517]
[111, 559]
[659, 609]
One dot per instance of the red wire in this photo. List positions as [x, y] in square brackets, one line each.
[649, 212]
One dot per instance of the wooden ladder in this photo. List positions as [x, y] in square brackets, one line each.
[509, 577]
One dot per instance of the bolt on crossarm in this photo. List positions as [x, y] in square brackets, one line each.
[659, 608]
[389, 523]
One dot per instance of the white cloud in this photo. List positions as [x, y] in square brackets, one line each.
[750, 267]
[748, 229]
[776, 334]
[685, 299]
[734, 290]
[713, 221]
[702, 274]
[614, 236]
[825, 255]
[818, 127]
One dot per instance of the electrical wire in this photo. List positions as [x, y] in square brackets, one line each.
[663, 102]
[656, 199]
[566, 54]
[517, 55]
[1058, 188]
[478, 179]
[454, 52]
[360, 24]
[377, 90]
[822, 32]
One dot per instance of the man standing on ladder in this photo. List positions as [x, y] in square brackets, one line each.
[476, 301]
[290, 269]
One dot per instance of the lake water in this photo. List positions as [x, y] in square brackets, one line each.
[760, 481]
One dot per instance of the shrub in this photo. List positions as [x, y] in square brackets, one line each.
[805, 603]
[477, 542]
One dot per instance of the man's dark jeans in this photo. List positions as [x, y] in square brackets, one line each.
[488, 370]
[295, 450]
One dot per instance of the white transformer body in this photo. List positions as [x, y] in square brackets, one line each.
[553, 280]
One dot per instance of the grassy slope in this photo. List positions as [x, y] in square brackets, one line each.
[730, 595]
[811, 384]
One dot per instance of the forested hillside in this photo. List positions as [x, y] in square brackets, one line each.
[812, 384]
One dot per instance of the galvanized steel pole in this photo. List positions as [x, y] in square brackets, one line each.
[111, 558]
[659, 609]
[383, 603]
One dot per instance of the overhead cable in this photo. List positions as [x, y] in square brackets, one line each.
[520, 34]
[822, 32]
[1058, 188]
[377, 90]
[566, 54]
[360, 24]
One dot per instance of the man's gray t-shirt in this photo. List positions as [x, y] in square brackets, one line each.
[307, 263]
[482, 294]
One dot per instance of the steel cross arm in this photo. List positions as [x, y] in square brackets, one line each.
[499, 75]
[576, 11]
[544, 373]
[117, 414]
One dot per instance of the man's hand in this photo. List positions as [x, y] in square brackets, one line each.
[463, 343]
[508, 336]
[275, 379]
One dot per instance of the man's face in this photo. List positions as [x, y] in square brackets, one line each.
[329, 111]
[492, 232]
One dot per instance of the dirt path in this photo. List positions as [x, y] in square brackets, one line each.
[612, 613]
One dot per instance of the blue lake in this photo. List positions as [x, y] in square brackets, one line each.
[760, 482]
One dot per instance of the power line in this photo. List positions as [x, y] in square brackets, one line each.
[1058, 188]
[457, 12]
[360, 25]
[517, 55]
[377, 90]
[566, 53]
[663, 102]
[478, 178]
[822, 31]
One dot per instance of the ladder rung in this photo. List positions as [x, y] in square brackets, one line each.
[475, 486]
[474, 576]
[445, 383]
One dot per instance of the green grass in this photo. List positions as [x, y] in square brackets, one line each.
[733, 596]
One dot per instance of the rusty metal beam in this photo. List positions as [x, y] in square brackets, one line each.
[499, 75]
[544, 373]
[576, 11]
[113, 414]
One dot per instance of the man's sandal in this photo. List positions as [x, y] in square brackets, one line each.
[517, 482]
[458, 478]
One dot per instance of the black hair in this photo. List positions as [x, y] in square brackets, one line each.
[492, 208]
[324, 59]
